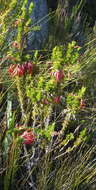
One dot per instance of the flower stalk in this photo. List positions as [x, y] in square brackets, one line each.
[21, 97]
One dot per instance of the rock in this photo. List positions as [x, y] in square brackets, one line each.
[35, 39]
[39, 17]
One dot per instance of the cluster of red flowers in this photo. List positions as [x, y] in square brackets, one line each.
[56, 100]
[59, 75]
[28, 137]
[26, 134]
[20, 70]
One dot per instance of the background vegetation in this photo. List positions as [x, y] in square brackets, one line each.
[47, 98]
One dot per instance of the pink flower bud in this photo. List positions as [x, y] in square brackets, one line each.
[19, 71]
[28, 67]
[57, 100]
[59, 75]
[28, 137]
[23, 68]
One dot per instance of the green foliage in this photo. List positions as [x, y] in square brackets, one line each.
[69, 137]
[72, 101]
[81, 92]
[72, 53]
[58, 57]
[81, 138]
[47, 132]
[83, 134]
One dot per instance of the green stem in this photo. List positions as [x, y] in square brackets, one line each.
[21, 97]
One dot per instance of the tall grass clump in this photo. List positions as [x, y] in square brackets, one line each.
[76, 171]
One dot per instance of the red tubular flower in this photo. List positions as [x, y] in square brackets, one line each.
[23, 68]
[16, 70]
[19, 71]
[57, 99]
[59, 75]
[28, 137]
[28, 67]
[11, 69]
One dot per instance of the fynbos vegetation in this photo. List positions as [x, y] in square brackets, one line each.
[47, 95]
